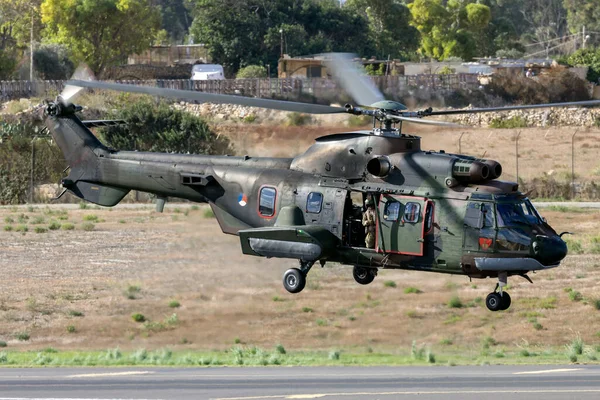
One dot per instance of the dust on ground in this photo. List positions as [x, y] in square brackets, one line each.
[78, 289]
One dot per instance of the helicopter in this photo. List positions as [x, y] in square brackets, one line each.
[434, 211]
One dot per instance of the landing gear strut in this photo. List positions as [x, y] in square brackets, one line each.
[499, 300]
[364, 275]
[294, 279]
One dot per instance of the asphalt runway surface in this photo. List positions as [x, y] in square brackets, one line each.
[436, 382]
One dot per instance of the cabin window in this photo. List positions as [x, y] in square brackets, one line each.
[314, 202]
[411, 212]
[428, 217]
[266, 203]
[392, 211]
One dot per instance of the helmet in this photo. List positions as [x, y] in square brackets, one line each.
[368, 202]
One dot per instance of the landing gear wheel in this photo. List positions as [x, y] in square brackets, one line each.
[294, 280]
[363, 275]
[493, 302]
[505, 301]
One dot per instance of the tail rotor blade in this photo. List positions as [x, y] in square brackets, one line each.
[82, 73]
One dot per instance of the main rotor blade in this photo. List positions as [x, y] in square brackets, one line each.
[354, 81]
[428, 122]
[524, 107]
[213, 98]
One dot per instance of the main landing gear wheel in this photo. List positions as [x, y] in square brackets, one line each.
[363, 275]
[493, 302]
[294, 280]
[505, 299]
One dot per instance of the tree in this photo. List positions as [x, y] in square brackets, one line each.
[583, 13]
[20, 25]
[547, 23]
[247, 32]
[389, 27]
[449, 30]
[101, 33]
[51, 62]
[175, 19]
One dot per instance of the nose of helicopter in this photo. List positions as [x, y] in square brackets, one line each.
[549, 250]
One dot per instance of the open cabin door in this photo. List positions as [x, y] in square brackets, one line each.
[401, 224]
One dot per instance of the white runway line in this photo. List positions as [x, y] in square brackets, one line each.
[412, 393]
[63, 398]
[101, 375]
[547, 371]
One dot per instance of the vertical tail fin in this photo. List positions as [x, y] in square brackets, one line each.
[82, 151]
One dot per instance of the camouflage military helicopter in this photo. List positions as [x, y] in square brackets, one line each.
[434, 211]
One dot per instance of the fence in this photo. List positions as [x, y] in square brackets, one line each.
[311, 89]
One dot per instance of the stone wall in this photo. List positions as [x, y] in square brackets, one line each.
[584, 117]
[568, 116]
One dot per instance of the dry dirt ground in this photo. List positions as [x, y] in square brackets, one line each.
[78, 289]
[541, 150]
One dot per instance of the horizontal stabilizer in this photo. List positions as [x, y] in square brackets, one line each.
[102, 195]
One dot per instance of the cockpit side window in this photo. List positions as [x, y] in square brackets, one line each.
[517, 213]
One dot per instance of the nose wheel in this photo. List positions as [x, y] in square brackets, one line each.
[499, 300]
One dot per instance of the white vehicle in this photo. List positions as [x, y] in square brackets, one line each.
[203, 72]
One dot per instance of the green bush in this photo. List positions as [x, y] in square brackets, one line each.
[455, 302]
[298, 119]
[137, 317]
[508, 123]
[67, 227]
[590, 58]
[390, 284]
[252, 71]
[174, 304]
[411, 289]
[88, 226]
[159, 127]
[71, 328]
[22, 336]
[54, 226]
[15, 157]
[280, 349]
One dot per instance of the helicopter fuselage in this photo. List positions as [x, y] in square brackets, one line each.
[434, 211]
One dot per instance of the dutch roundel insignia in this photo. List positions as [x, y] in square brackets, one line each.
[242, 200]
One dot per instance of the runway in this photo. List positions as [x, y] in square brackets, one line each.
[436, 382]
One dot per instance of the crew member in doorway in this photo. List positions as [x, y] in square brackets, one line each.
[368, 222]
